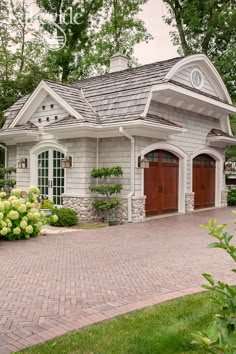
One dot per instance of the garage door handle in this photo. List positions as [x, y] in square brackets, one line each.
[160, 189]
[202, 186]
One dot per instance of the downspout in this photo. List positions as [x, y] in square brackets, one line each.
[132, 166]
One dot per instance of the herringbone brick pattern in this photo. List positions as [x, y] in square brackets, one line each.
[58, 283]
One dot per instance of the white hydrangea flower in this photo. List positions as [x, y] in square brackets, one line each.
[39, 225]
[13, 215]
[3, 195]
[30, 215]
[6, 204]
[4, 231]
[22, 209]
[16, 203]
[17, 231]
[1, 206]
[16, 192]
[54, 218]
[29, 229]
[12, 197]
[34, 189]
[9, 223]
[23, 224]
[1, 215]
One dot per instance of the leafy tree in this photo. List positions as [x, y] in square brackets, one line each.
[77, 19]
[206, 27]
[120, 31]
[21, 53]
[95, 30]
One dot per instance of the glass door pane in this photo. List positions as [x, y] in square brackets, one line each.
[58, 177]
[43, 173]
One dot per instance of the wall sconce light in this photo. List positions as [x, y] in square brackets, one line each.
[66, 162]
[23, 163]
[143, 162]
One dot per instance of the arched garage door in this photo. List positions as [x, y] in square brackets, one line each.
[161, 182]
[204, 181]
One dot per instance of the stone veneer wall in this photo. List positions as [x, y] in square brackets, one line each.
[87, 213]
[224, 195]
[189, 202]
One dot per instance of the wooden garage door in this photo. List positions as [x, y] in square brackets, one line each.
[204, 181]
[161, 183]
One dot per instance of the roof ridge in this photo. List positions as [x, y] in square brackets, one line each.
[128, 70]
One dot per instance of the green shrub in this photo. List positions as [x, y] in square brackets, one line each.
[231, 199]
[220, 336]
[19, 215]
[66, 217]
[46, 204]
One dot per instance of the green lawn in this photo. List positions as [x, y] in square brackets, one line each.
[164, 328]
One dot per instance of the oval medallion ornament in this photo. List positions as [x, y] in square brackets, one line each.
[197, 79]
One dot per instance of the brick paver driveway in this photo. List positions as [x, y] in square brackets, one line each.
[54, 284]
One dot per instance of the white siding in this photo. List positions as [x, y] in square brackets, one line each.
[116, 152]
[51, 113]
[83, 151]
[23, 175]
[11, 159]
[184, 77]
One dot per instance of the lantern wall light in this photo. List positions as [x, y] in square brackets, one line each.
[22, 163]
[143, 162]
[66, 162]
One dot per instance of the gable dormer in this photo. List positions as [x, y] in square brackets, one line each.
[199, 74]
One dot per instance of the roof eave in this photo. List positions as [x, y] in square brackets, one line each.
[221, 141]
[137, 127]
[12, 138]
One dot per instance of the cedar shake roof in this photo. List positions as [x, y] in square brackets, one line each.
[107, 98]
[19, 127]
[115, 97]
[218, 132]
[150, 118]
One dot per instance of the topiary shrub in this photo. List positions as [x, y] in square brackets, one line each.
[66, 217]
[231, 198]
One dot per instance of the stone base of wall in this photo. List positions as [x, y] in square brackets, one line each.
[189, 202]
[87, 213]
[224, 195]
[83, 206]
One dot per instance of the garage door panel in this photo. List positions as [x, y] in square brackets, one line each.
[204, 181]
[161, 183]
[170, 189]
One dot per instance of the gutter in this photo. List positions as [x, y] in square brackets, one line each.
[132, 166]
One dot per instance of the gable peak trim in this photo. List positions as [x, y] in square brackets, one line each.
[213, 73]
[45, 90]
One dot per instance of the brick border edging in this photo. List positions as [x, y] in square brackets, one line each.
[71, 325]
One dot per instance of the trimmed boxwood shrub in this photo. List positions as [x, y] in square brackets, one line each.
[231, 198]
[66, 217]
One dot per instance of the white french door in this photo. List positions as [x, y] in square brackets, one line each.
[50, 175]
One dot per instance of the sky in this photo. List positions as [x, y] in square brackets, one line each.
[161, 47]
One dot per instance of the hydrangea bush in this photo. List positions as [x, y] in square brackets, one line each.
[19, 214]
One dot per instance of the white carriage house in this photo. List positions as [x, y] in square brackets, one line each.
[175, 113]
